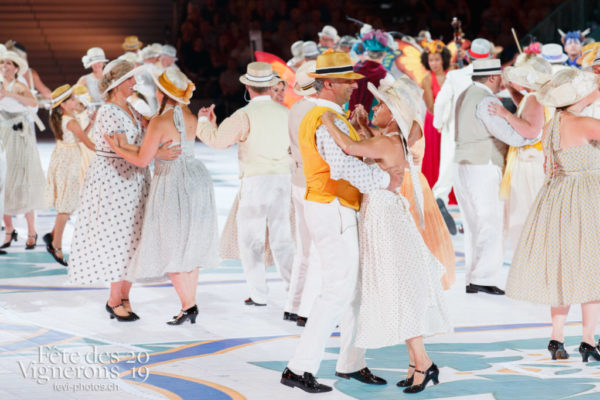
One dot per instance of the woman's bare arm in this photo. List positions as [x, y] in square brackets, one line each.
[531, 122]
[74, 127]
[373, 148]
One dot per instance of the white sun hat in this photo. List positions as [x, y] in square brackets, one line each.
[169, 51]
[553, 53]
[15, 58]
[532, 74]
[94, 55]
[567, 87]
[116, 82]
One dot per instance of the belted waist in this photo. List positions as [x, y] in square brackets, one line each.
[595, 171]
[66, 145]
[108, 154]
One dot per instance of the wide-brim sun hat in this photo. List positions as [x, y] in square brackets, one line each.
[22, 66]
[259, 74]
[94, 55]
[131, 57]
[60, 94]
[567, 87]
[335, 65]
[400, 107]
[174, 84]
[305, 84]
[532, 74]
[108, 67]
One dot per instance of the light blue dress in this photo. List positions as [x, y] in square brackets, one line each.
[179, 231]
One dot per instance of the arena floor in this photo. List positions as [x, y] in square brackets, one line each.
[57, 341]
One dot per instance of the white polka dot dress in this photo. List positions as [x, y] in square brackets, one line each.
[401, 291]
[109, 220]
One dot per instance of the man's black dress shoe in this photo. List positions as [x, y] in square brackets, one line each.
[287, 316]
[447, 217]
[2, 252]
[307, 382]
[364, 376]
[471, 288]
[301, 321]
[250, 302]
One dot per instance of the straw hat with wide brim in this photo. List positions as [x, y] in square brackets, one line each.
[305, 84]
[400, 106]
[335, 64]
[60, 94]
[259, 74]
[132, 43]
[118, 81]
[567, 87]
[173, 83]
[15, 58]
[532, 74]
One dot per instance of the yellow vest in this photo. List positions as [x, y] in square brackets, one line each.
[319, 186]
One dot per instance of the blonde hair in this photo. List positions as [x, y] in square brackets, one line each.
[120, 68]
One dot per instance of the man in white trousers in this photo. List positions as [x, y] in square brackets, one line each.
[260, 129]
[305, 279]
[334, 181]
[444, 109]
[481, 146]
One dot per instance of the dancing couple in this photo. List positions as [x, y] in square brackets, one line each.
[396, 301]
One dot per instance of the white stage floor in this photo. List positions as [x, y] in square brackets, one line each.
[56, 340]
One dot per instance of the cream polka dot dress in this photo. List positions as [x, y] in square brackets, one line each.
[557, 260]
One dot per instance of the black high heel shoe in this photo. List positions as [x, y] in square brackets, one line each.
[431, 374]
[557, 350]
[191, 314]
[587, 350]
[31, 246]
[13, 238]
[408, 381]
[111, 311]
[130, 312]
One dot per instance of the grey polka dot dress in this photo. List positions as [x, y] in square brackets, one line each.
[109, 220]
[557, 259]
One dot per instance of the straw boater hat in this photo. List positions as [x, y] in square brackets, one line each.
[304, 83]
[567, 87]
[532, 74]
[330, 32]
[175, 84]
[335, 64]
[259, 74]
[94, 55]
[118, 81]
[132, 43]
[60, 94]
[487, 66]
[169, 51]
[15, 58]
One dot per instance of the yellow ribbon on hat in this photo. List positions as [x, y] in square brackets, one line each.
[184, 94]
[511, 156]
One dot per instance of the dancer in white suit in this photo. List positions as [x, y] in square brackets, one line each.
[334, 181]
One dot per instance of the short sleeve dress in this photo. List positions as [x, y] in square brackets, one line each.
[114, 192]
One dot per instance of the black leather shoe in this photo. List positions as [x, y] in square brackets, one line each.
[301, 321]
[557, 350]
[432, 374]
[112, 313]
[364, 376]
[287, 316]
[307, 382]
[47, 238]
[447, 217]
[408, 381]
[472, 288]
[250, 302]
[587, 350]
[13, 238]
[2, 252]
[191, 314]
[31, 246]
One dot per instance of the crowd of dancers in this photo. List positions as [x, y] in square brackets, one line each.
[345, 182]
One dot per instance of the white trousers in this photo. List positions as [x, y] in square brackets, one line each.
[334, 229]
[305, 283]
[264, 203]
[477, 192]
[2, 177]
[443, 185]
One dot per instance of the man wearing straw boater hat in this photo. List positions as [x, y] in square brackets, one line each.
[482, 141]
[260, 129]
[304, 282]
[334, 182]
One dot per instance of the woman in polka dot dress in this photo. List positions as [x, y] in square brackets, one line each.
[109, 221]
